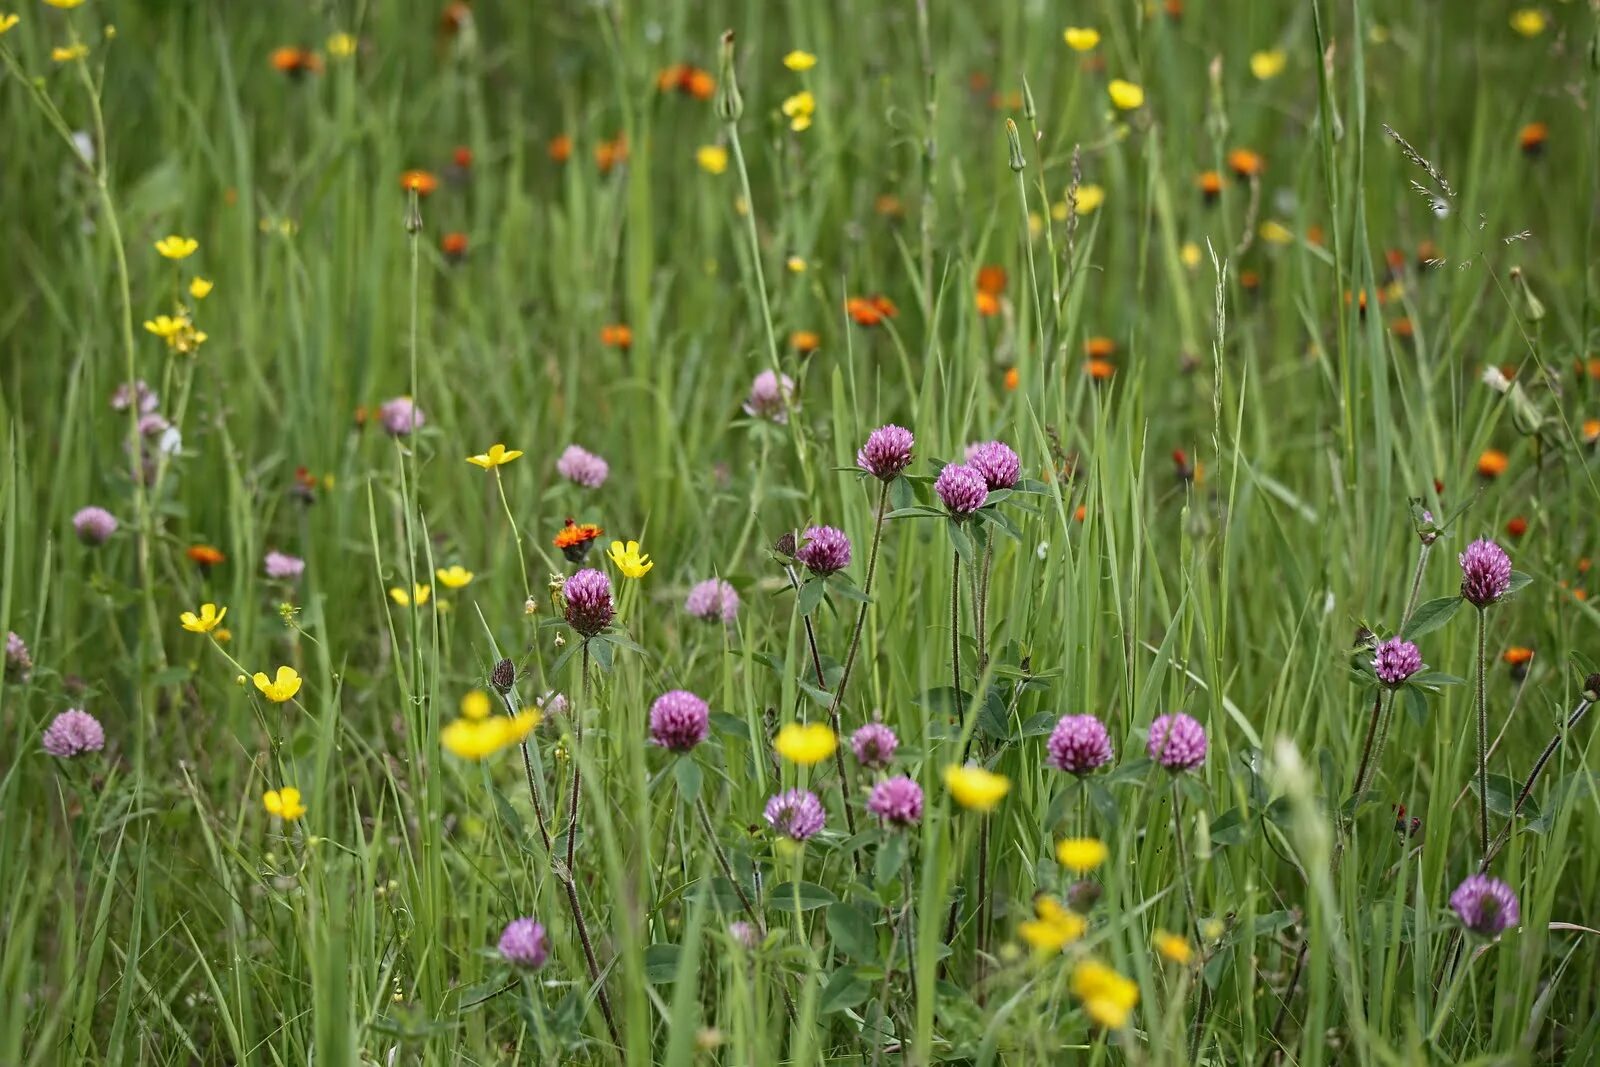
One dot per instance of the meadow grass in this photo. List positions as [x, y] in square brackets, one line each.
[1219, 521]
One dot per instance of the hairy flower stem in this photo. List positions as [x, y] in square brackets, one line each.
[845, 788]
[1416, 585]
[499, 483]
[744, 898]
[1372, 749]
[1483, 733]
[527, 765]
[1533, 777]
[1183, 858]
[861, 615]
[955, 623]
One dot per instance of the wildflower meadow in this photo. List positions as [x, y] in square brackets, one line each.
[750, 532]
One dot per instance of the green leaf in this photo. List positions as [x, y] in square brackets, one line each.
[1133, 770]
[661, 963]
[846, 589]
[811, 594]
[689, 777]
[1230, 828]
[603, 651]
[809, 895]
[1435, 680]
[915, 511]
[901, 494]
[853, 932]
[1038, 725]
[1416, 705]
[962, 543]
[844, 989]
[942, 700]
[1518, 581]
[891, 857]
[1430, 616]
[1502, 794]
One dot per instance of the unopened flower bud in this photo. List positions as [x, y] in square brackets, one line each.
[1029, 111]
[1014, 141]
[1591, 689]
[504, 675]
[413, 214]
[730, 105]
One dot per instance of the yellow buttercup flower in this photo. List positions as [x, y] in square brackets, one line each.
[1107, 996]
[454, 576]
[1053, 927]
[201, 288]
[281, 688]
[476, 705]
[497, 456]
[1212, 929]
[799, 109]
[7, 21]
[1081, 854]
[1276, 233]
[284, 803]
[1190, 254]
[416, 598]
[713, 159]
[68, 53]
[1081, 38]
[975, 788]
[1529, 21]
[1125, 95]
[209, 619]
[1172, 947]
[175, 247]
[1268, 64]
[476, 739]
[796, 264]
[629, 560]
[177, 331]
[342, 45]
[805, 743]
[64, 5]
[799, 61]
[1089, 197]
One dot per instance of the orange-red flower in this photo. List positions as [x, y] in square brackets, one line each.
[688, 80]
[616, 335]
[804, 342]
[1013, 379]
[992, 279]
[1402, 328]
[1517, 526]
[205, 555]
[453, 245]
[1532, 137]
[608, 154]
[560, 148]
[889, 206]
[419, 181]
[870, 310]
[988, 304]
[1210, 185]
[1246, 163]
[1174, 9]
[1100, 370]
[296, 61]
[1591, 431]
[1314, 234]
[1492, 463]
[454, 16]
[1427, 255]
[462, 157]
[1099, 348]
[1081, 513]
[1249, 280]
[1517, 655]
[575, 538]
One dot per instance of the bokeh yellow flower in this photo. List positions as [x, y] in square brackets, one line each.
[342, 45]
[1088, 198]
[1053, 926]
[284, 803]
[7, 21]
[1189, 254]
[1080, 38]
[1081, 854]
[1106, 995]
[1529, 21]
[497, 456]
[201, 288]
[975, 788]
[454, 576]
[175, 247]
[280, 688]
[1173, 947]
[476, 739]
[1276, 233]
[476, 705]
[629, 560]
[209, 619]
[64, 5]
[799, 61]
[796, 264]
[805, 743]
[416, 598]
[799, 109]
[67, 53]
[713, 158]
[1268, 64]
[1125, 95]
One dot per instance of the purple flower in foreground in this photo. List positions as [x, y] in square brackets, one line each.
[796, 814]
[824, 550]
[1485, 905]
[744, 933]
[401, 416]
[589, 605]
[679, 720]
[1485, 573]
[1079, 744]
[19, 664]
[771, 397]
[874, 745]
[73, 733]
[713, 599]
[281, 565]
[962, 489]
[582, 467]
[94, 526]
[1177, 742]
[994, 460]
[897, 801]
[1395, 661]
[887, 452]
[523, 943]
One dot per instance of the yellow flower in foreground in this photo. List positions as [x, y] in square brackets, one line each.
[69, 53]
[416, 598]
[1212, 929]
[1107, 996]
[629, 560]
[497, 456]
[454, 576]
[713, 159]
[1080, 38]
[208, 619]
[1190, 254]
[284, 803]
[175, 247]
[201, 288]
[798, 109]
[475, 705]
[475, 739]
[1053, 928]
[975, 788]
[281, 688]
[64, 5]
[1125, 95]
[799, 61]
[1528, 21]
[342, 45]
[805, 743]
[7, 21]
[1276, 233]
[1172, 947]
[1089, 197]
[1080, 854]
[1268, 64]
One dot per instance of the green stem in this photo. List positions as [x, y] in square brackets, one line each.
[522, 561]
[1483, 732]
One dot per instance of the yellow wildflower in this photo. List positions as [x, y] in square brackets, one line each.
[1081, 38]
[1125, 95]
[205, 622]
[416, 598]
[805, 743]
[1276, 233]
[629, 560]
[1107, 996]
[66, 54]
[201, 288]
[1269, 64]
[1053, 927]
[284, 803]
[475, 705]
[476, 739]
[175, 247]
[342, 45]
[1089, 197]
[497, 456]
[64, 5]
[281, 688]
[799, 109]
[1529, 21]
[454, 576]
[1080, 854]
[222, 635]
[713, 159]
[1173, 947]
[7, 21]
[1212, 929]
[796, 264]
[1190, 254]
[799, 61]
[975, 788]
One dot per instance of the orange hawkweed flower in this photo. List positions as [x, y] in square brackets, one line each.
[454, 16]
[988, 304]
[1210, 185]
[419, 181]
[700, 84]
[1249, 280]
[608, 154]
[560, 148]
[670, 79]
[1013, 379]
[1517, 655]
[1174, 9]
[992, 279]
[205, 555]
[1246, 163]
[1100, 370]
[575, 538]
[870, 310]
[1492, 463]
[453, 245]
[616, 335]
[1591, 431]
[1590, 367]
[1532, 137]
[1517, 526]
[1402, 328]
[295, 61]
[1583, 565]
[805, 342]
[1099, 348]
[1081, 513]
[889, 206]
[462, 157]
[1314, 235]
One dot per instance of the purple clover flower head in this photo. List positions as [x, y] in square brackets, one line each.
[962, 489]
[1079, 744]
[401, 416]
[887, 452]
[1485, 573]
[139, 396]
[745, 934]
[771, 397]
[19, 664]
[1177, 742]
[713, 599]
[874, 745]
[523, 944]
[1396, 660]
[72, 733]
[797, 814]
[153, 424]
[897, 801]
[94, 526]
[679, 720]
[1485, 905]
[282, 565]
[553, 704]
[581, 467]
[824, 550]
[994, 460]
[589, 605]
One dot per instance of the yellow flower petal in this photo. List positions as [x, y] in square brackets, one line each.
[453, 577]
[799, 61]
[200, 288]
[1081, 854]
[713, 159]
[67, 53]
[805, 743]
[1269, 64]
[1529, 21]
[975, 788]
[7, 21]
[1172, 947]
[205, 622]
[175, 247]
[1125, 95]
[280, 688]
[1080, 38]
[342, 45]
